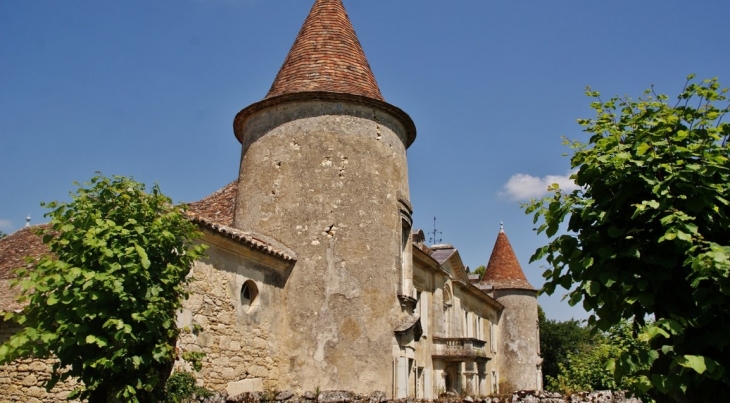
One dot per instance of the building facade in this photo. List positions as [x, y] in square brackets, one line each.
[314, 277]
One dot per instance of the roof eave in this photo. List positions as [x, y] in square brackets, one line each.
[246, 113]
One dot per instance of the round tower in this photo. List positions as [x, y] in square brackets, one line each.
[323, 170]
[518, 346]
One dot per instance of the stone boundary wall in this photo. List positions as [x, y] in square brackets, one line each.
[22, 380]
[339, 396]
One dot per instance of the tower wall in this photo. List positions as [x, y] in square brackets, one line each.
[324, 178]
[519, 341]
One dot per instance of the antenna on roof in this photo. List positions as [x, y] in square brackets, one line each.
[434, 233]
[501, 226]
[27, 221]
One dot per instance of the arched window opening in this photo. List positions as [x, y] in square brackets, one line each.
[249, 296]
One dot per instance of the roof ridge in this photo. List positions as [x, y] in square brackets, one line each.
[326, 56]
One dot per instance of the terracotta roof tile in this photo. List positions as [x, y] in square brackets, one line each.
[214, 212]
[217, 207]
[326, 57]
[503, 269]
[254, 241]
[14, 248]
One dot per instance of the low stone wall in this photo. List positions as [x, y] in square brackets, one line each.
[339, 396]
[22, 380]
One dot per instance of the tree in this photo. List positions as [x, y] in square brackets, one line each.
[648, 233]
[480, 270]
[3, 235]
[590, 366]
[558, 340]
[104, 304]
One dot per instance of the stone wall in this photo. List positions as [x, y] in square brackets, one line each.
[327, 179]
[517, 351]
[238, 341]
[22, 380]
[338, 396]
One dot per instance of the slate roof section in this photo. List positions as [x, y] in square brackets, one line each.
[327, 57]
[442, 255]
[503, 269]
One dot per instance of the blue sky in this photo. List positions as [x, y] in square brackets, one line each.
[150, 89]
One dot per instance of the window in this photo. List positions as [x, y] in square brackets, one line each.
[249, 296]
[406, 275]
[447, 296]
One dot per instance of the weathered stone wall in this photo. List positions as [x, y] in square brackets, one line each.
[517, 351]
[239, 342]
[22, 380]
[324, 178]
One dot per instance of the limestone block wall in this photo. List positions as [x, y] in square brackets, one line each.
[238, 340]
[325, 179]
[22, 380]
[518, 339]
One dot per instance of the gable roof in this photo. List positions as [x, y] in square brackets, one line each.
[446, 253]
[326, 56]
[503, 269]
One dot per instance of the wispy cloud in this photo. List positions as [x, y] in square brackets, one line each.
[5, 225]
[524, 186]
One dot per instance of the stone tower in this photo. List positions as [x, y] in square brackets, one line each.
[518, 347]
[323, 170]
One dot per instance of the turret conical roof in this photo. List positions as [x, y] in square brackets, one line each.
[326, 63]
[326, 57]
[503, 269]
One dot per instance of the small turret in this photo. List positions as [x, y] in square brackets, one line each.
[518, 348]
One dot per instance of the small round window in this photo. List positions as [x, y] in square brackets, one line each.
[249, 296]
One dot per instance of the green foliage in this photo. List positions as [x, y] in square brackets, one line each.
[480, 270]
[558, 340]
[181, 388]
[105, 303]
[195, 358]
[648, 230]
[591, 366]
[3, 235]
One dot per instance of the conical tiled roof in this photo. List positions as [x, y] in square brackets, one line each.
[503, 269]
[326, 57]
[326, 63]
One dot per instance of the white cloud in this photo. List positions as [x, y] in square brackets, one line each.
[524, 186]
[5, 225]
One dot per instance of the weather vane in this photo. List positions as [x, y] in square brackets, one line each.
[434, 233]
